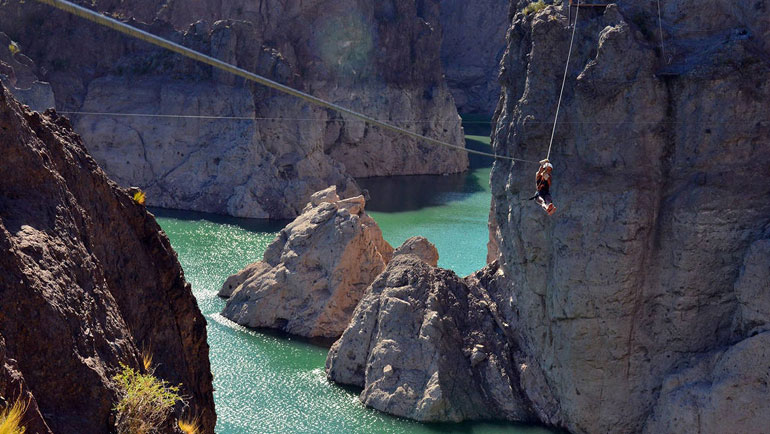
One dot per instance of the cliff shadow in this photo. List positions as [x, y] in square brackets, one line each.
[251, 225]
[393, 194]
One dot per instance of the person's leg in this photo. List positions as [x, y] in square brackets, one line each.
[548, 205]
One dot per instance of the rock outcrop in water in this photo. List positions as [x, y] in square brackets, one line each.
[471, 48]
[381, 58]
[425, 344]
[314, 273]
[642, 305]
[88, 282]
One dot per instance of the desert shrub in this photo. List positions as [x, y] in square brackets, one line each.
[145, 401]
[534, 7]
[11, 417]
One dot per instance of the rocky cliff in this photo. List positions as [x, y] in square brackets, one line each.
[632, 301]
[88, 281]
[642, 305]
[381, 58]
[471, 49]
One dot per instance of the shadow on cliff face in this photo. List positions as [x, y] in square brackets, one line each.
[251, 225]
[411, 193]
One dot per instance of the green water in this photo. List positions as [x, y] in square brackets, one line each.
[270, 383]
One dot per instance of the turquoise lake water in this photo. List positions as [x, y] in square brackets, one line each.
[270, 383]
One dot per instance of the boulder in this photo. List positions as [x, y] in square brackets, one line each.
[421, 248]
[314, 273]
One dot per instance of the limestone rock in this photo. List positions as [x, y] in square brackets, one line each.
[421, 248]
[471, 48]
[241, 149]
[314, 273]
[88, 282]
[663, 191]
[723, 392]
[424, 344]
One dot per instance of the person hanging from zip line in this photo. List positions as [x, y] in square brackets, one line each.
[543, 183]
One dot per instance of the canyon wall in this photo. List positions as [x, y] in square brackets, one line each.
[88, 282]
[242, 149]
[643, 304]
[471, 48]
[632, 302]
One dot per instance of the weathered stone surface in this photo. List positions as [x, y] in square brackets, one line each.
[724, 392]
[88, 281]
[17, 73]
[377, 57]
[13, 389]
[314, 273]
[421, 248]
[471, 48]
[662, 182]
[427, 345]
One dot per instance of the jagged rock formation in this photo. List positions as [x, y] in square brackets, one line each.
[314, 273]
[377, 57]
[642, 306]
[88, 281]
[424, 344]
[632, 302]
[471, 48]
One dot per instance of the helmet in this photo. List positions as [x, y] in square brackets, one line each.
[548, 166]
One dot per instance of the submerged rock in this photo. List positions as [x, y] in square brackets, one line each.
[314, 273]
[426, 344]
[88, 282]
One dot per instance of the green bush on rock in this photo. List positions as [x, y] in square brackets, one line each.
[145, 401]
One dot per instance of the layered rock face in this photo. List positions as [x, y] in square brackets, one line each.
[471, 48]
[88, 282]
[314, 273]
[273, 151]
[427, 345]
[643, 302]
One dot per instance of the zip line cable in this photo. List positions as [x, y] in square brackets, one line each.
[284, 119]
[564, 81]
[200, 57]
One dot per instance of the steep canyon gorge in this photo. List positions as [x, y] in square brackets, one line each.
[212, 142]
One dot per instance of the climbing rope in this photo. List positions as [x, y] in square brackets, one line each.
[564, 81]
[200, 57]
